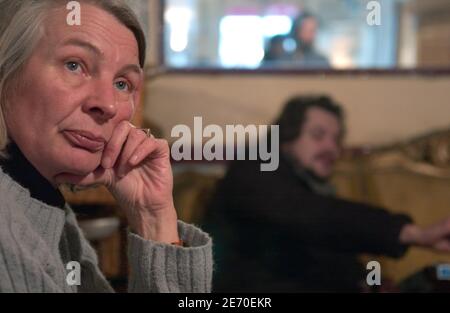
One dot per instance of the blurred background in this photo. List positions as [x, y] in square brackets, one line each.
[255, 34]
[238, 61]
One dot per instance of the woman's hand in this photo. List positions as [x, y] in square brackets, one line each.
[136, 169]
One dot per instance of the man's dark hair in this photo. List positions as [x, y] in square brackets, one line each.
[297, 23]
[293, 116]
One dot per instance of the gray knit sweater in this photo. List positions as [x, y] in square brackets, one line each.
[37, 241]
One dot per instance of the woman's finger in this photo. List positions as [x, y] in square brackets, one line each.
[114, 146]
[152, 147]
[99, 176]
[135, 138]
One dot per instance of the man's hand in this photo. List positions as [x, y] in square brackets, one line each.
[435, 237]
[136, 169]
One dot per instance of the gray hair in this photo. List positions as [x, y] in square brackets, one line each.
[21, 29]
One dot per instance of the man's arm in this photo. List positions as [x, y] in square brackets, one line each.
[335, 223]
[331, 223]
[254, 196]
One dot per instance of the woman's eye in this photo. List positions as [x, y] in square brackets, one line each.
[73, 66]
[122, 86]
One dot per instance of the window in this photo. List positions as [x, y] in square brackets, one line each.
[291, 34]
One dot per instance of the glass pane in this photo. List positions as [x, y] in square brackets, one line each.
[311, 34]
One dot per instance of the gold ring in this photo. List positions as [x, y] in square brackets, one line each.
[147, 131]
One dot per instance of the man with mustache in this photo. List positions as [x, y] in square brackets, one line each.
[285, 231]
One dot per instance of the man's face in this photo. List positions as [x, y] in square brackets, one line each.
[79, 78]
[308, 31]
[318, 146]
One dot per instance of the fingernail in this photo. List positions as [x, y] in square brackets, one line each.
[134, 159]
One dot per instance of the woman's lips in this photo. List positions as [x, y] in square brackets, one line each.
[84, 140]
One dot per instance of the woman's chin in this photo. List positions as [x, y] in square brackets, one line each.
[83, 163]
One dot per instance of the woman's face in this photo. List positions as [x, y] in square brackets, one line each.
[81, 81]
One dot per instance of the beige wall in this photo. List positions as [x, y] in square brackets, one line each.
[379, 109]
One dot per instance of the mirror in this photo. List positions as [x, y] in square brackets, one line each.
[306, 34]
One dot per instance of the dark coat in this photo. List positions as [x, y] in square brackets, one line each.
[274, 234]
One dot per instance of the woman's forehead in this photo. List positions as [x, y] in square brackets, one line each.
[97, 27]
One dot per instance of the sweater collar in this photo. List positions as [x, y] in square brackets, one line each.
[22, 171]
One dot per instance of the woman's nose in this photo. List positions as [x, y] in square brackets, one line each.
[102, 103]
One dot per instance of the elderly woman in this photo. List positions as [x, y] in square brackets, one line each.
[67, 95]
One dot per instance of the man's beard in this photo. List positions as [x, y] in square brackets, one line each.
[319, 184]
[328, 157]
[314, 176]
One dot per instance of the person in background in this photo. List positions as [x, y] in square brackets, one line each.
[286, 231]
[275, 54]
[304, 30]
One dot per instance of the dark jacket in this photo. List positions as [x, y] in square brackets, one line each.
[274, 234]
